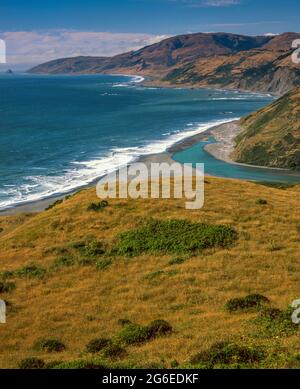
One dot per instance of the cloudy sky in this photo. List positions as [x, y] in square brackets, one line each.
[38, 31]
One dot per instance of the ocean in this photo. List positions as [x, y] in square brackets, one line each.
[59, 133]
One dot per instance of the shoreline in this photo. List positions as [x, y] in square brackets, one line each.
[223, 133]
[219, 150]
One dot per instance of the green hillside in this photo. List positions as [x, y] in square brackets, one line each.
[271, 136]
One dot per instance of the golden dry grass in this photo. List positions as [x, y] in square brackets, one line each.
[77, 304]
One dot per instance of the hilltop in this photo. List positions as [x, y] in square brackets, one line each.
[271, 136]
[222, 60]
[70, 278]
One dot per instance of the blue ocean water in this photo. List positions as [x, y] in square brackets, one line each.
[58, 133]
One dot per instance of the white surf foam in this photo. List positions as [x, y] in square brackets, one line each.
[40, 187]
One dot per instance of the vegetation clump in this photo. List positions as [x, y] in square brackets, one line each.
[175, 236]
[31, 363]
[159, 328]
[63, 261]
[96, 207]
[93, 249]
[6, 287]
[103, 264]
[30, 271]
[114, 351]
[273, 322]
[132, 334]
[97, 345]
[226, 353]
[261, 202]
[50, 345]
[252, 301]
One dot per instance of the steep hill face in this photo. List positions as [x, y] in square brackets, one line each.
[271, 136]
[204, 60]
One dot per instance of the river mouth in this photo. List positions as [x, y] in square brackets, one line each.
[218, 168]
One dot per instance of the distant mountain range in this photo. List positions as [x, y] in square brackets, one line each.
[271, 136]
[222, 60]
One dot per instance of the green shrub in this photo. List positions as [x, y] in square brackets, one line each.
[103, 264]
[132, 334]
[96, 345]
[252, 301]
[57, 202]
[6, 287]
[63, 261]
[31, 363]
[7, 274]
[273, 322]
[52, 364]
[176, 236]
[261, 202]
[86, 261]
[93, 249]
[96, 207]
[114, 351]
[30, 271]
[49, 345]
[159, 328]
[225, 353]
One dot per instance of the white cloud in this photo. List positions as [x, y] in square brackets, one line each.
[209, 3]
[220, 3]
[28, 48]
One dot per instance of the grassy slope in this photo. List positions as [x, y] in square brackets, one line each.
[77, 304]
[271, 136]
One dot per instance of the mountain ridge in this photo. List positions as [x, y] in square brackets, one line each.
[229, 61]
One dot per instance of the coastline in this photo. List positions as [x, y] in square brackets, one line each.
[223, 133]
[165, 156]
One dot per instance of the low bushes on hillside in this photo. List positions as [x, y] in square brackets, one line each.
[31, 363]
[252, 301]
[96, 207]
[30, 271]
[6, 287]
[97, 345]
[159, 328]
[176, 236]
[132, 334]
[49, 345]
[226, 353]
[272, 322]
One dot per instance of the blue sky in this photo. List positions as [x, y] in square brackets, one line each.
[37, 30]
